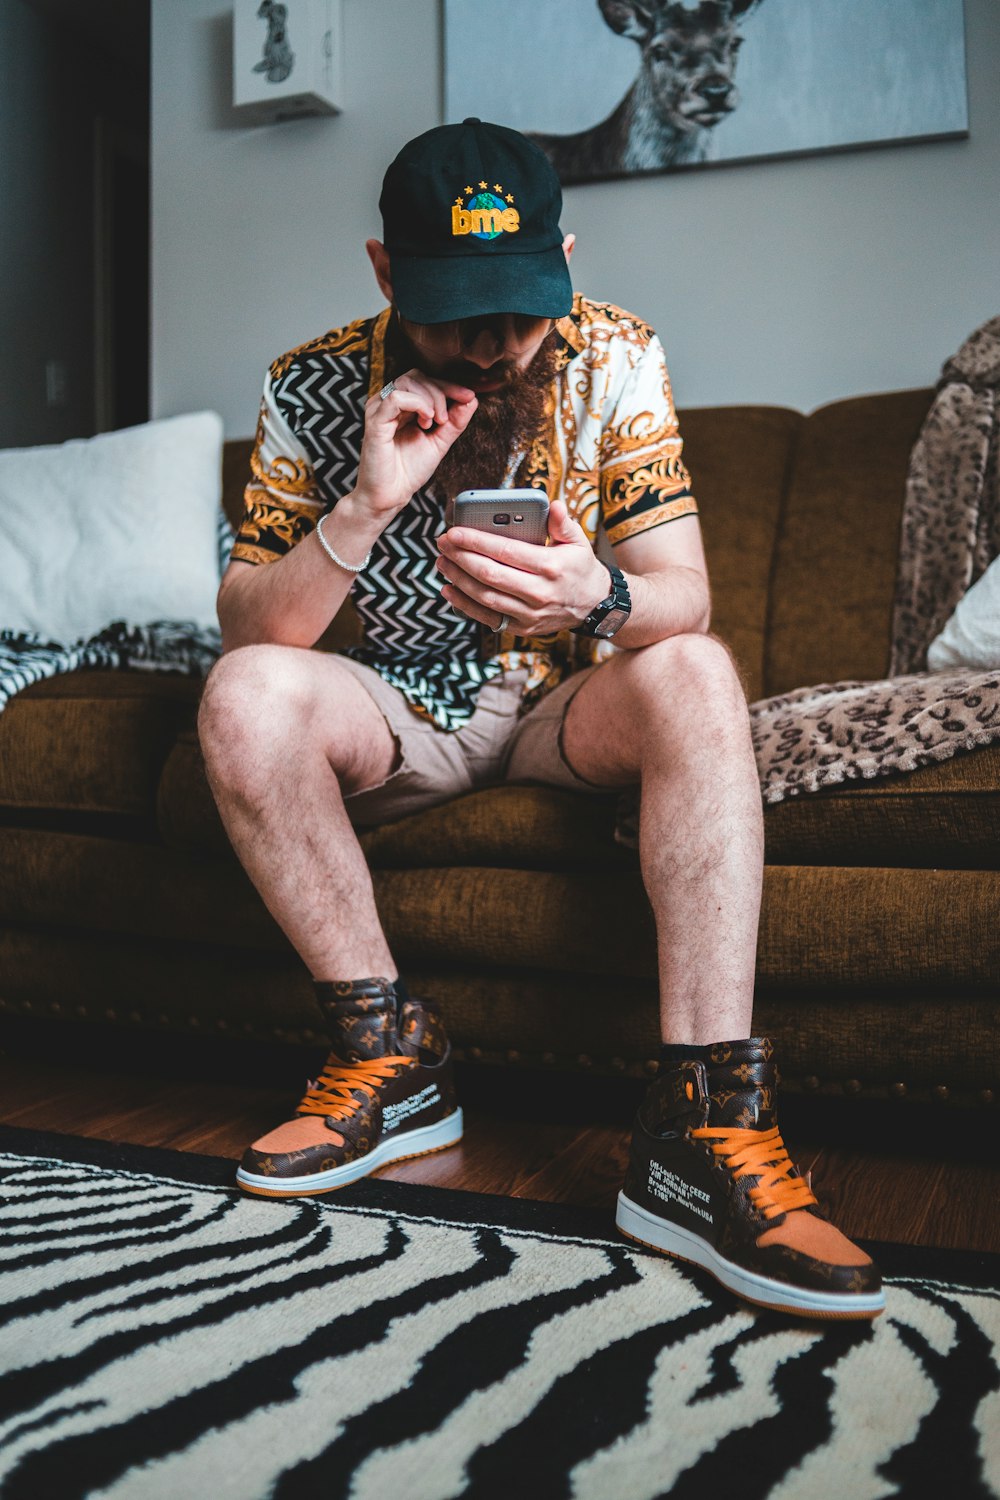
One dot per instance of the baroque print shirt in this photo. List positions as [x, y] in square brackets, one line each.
[609, 446]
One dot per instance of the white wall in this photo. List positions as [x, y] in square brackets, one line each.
[791, 282]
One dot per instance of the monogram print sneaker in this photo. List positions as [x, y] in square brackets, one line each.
[709, 1181]
[385, 1093]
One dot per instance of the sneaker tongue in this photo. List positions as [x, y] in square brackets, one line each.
[420, 1030]
[742, 1085]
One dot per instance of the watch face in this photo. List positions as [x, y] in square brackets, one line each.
[612, 621]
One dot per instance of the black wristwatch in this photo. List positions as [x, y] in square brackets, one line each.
[608, 617]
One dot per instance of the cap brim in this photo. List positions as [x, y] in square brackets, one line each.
[438, 289]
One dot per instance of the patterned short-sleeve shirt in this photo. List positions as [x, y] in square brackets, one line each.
[609, 446]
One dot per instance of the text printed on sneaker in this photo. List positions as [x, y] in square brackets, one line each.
[674, 1189]
[393, 1114]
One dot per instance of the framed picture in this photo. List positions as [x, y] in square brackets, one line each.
[610, 88]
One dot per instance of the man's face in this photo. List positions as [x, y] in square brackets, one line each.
[486, 353]
[512, 385]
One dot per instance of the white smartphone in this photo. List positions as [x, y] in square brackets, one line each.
[521, 514]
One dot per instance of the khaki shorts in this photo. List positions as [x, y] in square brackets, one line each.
[495, 746]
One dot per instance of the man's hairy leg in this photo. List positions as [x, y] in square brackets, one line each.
[709, 1117]
[286, 733]
[674, 716]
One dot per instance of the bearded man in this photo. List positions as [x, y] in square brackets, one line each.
[487, 659]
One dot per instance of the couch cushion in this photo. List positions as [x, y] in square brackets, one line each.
[92, 742]
[739, 457]
[945, 816]
[835, 561]
[834, 928]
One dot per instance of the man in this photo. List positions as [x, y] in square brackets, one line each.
[485, 370]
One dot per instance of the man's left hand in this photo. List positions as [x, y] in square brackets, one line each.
[540, 589]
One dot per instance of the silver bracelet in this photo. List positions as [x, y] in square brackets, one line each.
[348, 567]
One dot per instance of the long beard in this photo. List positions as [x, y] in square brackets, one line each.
[505, 424]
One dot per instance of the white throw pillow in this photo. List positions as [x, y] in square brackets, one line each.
[116, 527]
[971, 637]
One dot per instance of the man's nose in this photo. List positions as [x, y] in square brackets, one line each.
[486, 348]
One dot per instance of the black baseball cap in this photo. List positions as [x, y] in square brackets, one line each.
[470, 218]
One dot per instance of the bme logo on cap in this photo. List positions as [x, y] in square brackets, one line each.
[485, 215]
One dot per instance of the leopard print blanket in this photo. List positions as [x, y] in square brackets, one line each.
[852, 731]
[951, 517]
[819, 736]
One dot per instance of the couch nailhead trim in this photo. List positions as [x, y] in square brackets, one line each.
[809, 1083]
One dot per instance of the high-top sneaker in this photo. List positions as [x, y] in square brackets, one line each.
[385, 1093]
[710, 1181]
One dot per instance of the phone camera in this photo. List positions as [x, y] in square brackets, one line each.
[502, 518]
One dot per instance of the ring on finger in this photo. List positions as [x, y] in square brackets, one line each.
[502, 625]
[387, 390]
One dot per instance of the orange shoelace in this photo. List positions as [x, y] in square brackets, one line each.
[761, 1154]
[332, 1092]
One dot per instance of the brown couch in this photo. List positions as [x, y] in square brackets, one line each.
[879, 959]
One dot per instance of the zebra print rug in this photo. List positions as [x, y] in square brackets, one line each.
[164, 1338]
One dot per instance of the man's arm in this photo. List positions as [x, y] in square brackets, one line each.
[291, 601]
[668, 580]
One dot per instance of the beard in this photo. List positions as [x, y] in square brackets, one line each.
[505, 423]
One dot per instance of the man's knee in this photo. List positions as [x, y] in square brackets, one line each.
[249, 694]
[696, 668]
[267, 708]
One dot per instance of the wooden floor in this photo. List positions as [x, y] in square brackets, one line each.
[918, 1175]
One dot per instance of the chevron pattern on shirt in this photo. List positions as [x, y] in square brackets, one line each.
[323, 398]
[411, 636]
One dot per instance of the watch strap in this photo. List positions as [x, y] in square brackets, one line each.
[619, 598]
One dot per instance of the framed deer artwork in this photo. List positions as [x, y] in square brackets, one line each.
[609, 88]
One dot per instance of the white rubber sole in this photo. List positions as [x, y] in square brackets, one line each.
[436, 1137]
[670, 1239]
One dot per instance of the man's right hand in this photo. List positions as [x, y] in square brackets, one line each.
[407, 434]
